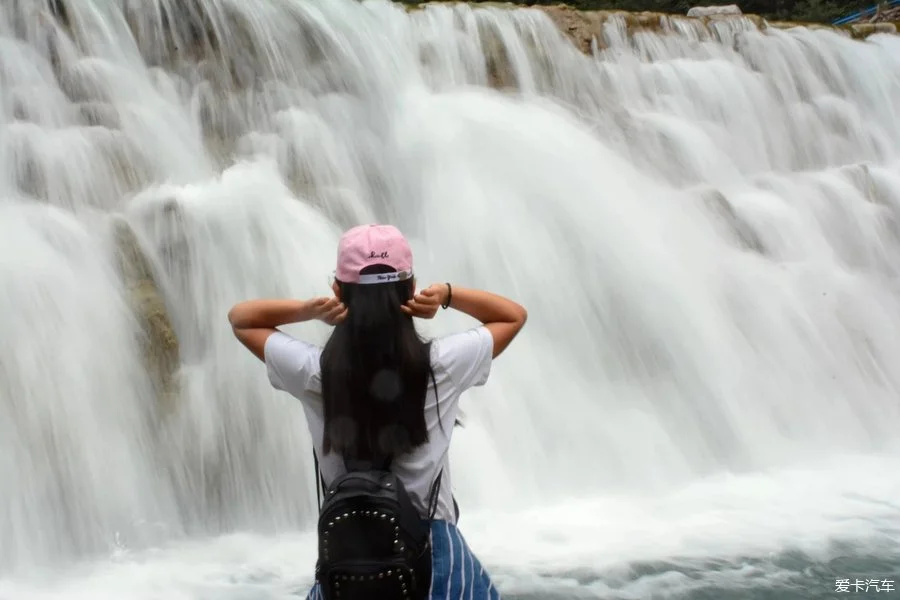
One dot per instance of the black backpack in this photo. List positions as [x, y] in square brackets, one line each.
[373, 544]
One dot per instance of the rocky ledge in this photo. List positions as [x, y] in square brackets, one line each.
[583, 27]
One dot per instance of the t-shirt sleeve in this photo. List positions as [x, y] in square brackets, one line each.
[467, 356]
[292, 364]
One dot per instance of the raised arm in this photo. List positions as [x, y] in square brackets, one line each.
[502, 317]
[254, 321]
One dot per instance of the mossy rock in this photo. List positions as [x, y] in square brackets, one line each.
[861, 31]
[159, 342]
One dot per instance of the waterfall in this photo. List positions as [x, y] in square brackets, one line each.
[701, 218]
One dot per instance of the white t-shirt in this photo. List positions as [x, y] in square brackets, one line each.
[459, 361]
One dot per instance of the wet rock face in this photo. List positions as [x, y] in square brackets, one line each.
[160, 344]
[581, 27]
[99, 114]
[723, 211]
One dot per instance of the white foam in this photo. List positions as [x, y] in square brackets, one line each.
[740, 524]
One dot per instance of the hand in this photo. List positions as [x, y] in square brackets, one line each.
[328, 310]
[426, 303]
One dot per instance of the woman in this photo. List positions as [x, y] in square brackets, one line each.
[380, 395]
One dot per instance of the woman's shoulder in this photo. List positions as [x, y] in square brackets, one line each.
[465, 355]
[280, 342]
[462, 341]
[292, 364]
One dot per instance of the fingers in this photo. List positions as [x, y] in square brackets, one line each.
[420, 305]
[334, 310]
[325, 305]
[422, 309]
[317, 307]
[329, 310]
[427, 298]
[340, 317]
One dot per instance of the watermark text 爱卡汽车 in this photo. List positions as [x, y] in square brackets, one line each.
[863, 586]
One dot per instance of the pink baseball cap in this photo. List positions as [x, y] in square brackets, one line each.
[368, 245]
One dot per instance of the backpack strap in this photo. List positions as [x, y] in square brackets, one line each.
[433, 495]
[320, 479]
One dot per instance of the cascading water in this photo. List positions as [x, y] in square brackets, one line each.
[701, 220]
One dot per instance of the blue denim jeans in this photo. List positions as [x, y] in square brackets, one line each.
[456, 572]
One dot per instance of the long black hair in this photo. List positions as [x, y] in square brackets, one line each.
[375, 373]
